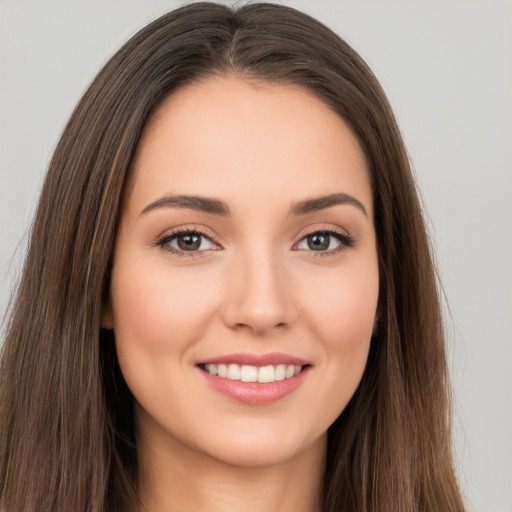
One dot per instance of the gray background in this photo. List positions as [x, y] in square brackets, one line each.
[447, 68]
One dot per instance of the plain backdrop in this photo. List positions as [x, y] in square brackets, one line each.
[447, 69]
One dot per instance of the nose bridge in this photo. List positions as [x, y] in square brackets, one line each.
[259, 296]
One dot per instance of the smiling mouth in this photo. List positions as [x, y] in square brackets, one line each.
[267, 380]
[248, 373]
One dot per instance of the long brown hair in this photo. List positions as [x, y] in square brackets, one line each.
[67, 438]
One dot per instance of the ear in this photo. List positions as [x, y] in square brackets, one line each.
[107, 318]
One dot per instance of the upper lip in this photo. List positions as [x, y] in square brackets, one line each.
[248, 359]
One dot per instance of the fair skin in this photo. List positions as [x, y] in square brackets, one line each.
[266, 284]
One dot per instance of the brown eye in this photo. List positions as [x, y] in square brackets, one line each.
[318, 241]
[325, 242]
[189, 242]
[183, 242]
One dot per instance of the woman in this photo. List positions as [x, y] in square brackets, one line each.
[228, 300]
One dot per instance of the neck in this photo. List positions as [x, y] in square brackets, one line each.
[177, 478]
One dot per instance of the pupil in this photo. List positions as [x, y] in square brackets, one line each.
[318, 242]
[189, 242]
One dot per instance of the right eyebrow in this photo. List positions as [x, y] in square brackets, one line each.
[200, 203]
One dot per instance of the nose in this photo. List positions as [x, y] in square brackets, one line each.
[258, 298]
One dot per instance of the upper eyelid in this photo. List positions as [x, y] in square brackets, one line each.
[326, 229]
[343, 237]
[196, 230]
[342, 234]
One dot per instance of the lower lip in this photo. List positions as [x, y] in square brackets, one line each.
[256, 393]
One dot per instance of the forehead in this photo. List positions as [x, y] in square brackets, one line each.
[227, 137]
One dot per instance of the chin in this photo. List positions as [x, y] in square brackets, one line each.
[264, 448]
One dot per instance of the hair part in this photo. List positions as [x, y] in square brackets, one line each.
[64, 405]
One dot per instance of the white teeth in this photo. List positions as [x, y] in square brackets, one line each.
[266, 374]
[280, 372]
[212, 368]
[247, 373]
[233, 372]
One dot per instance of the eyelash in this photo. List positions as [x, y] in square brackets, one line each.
[346, 241]
[166, 239]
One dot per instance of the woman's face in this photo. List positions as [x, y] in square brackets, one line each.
[246, 251]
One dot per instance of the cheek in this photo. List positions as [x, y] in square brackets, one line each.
[157, 311]
[341, 313]
[158, 315]
[343, 306]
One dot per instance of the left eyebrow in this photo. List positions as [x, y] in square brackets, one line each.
[321, 203]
